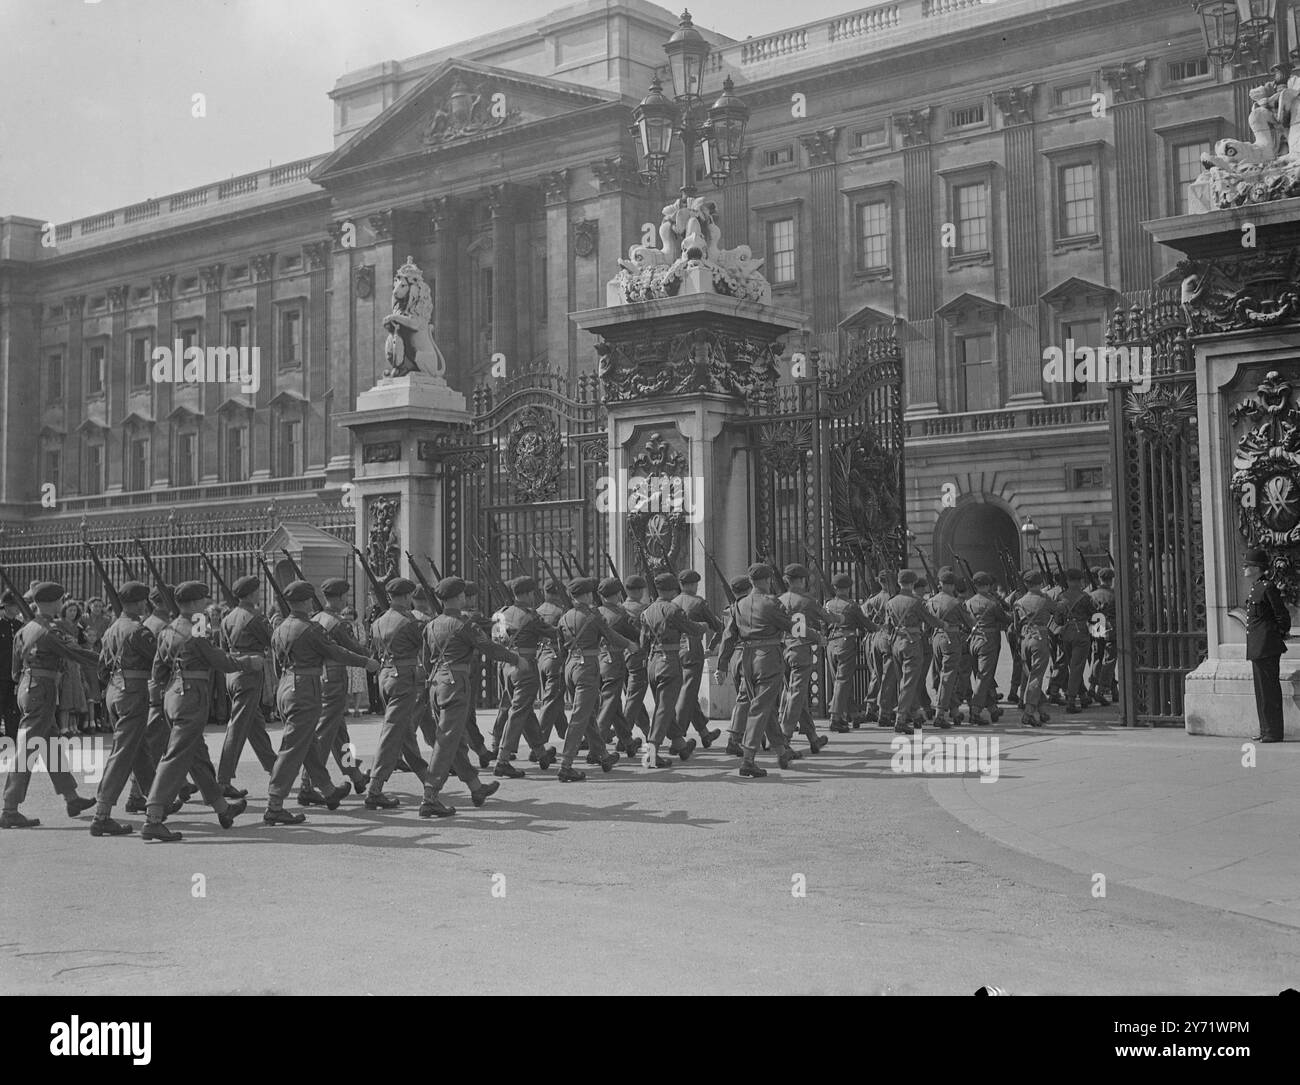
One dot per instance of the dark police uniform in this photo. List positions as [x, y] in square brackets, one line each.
[9, 710]
[1268, 621]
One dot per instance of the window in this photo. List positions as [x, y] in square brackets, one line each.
[1092, 536]
[1074, 94]
[975, 357]
[485, 296]
[52, 468]
[187, 445]
[778, 156]
[94, 483]
[140, 359]
[189, 284]
[1092, 477]
[1082, 333]
[873, 235]
[142, 293]
[99, 304]
[780, 250]
[544, 307]
[971, 203]
[189, 337]
[137, 470]
[1187, 167]
[239, 273]
[237, 333]
[290, 338]
[54, 381]
[237, 454]
[966, 116]
[1180, 71]
[291, 263]
[1078, 200]
[290, 461]
[96, 358]
[870, 138]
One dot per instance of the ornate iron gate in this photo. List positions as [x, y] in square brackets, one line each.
[1161, 578]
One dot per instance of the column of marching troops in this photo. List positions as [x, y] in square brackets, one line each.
[577, 660]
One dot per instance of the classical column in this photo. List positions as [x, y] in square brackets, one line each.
[735, 204]
[212, 395]
[74, 410]
[341, 378]
[444, 215]
[821, 147]
[623, 205]
[260, 435]
[1023, 333]
[922, 255]
[1133, 175]
[315, 369]
[559, 257]
[503, 202]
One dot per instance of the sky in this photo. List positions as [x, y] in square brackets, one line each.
[96, 96]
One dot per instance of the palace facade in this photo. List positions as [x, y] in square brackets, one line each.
[974, 173]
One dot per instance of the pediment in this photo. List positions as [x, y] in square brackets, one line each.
[867, 317]
[456, 105]
[981, 308]
[1076, 291]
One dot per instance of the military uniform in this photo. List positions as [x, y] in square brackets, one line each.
[1105, 654]
[950, 648]
[799, 643]
[729, 665]
[906, 619]
[1073, 611]
[246, 636]
[614, 665]
[524, 631]
[1268, 622]
[692, 656]
[1032, 614]
[396, 638]
[584, 632]
[638, 680]
[990, 618]
[662, 627]
[757, 624]
[10, 713]
[882, 692]
[842, 645]
[550, 673]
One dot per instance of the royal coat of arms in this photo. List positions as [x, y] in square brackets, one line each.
[657, 512]
[533, 456]
[1266, 479]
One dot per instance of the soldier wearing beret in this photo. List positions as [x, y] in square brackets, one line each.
[583, 631]
[610, 717]
[906, 622]
[949, 644]
[37, 655]
[331, 730]
[473, 612]
[990, 618]
[523, 630]
[1268, 623]
[126, 654]
[182, 668]
[1032, 614]
[882, 692]
[728, 666]
[808, 618]
[1073, 612]
[688, 708]
[842, 644]
[451, 641]
[157, 729]
[10, 623]
[550, 663]
[662, 627]
[755, 626]
[638, 682]
[396, 636]
[246, 635]
[300, 648]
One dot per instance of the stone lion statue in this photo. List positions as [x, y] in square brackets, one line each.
[410, 347]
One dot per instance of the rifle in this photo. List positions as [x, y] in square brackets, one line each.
[29, 615]
[433, 599]
[926, 565]
[970, 573]
[381, 594]
[489, 574]
[130, 573]
[1063, 580]
[816, 570]
[164, 589]
[114, 599]
[437, 573]
[275, 587]
[1043, 567]
[613, 569]
[581, 571]
[231, 599]
[551, 572]
[717, 571]
[297, 572]
[776, 573]
[1110, 557]
[1087, 571]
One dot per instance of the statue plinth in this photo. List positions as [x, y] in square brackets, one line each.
[413, 392]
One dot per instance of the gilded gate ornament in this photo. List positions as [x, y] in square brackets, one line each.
[533, 456]
[657, 514]
[383, 541]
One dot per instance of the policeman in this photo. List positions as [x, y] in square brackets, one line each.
[882, 694]
[1268, 623]
[300, 648]
[662, 627]
[36, 657]
[1102, 684]
[842, 643]
[728, 667]
[182, 668]
[584, 631]
[949, 643]
[638, 682]
[1073, 610]
[550, 665]
[906, 620]
[396, 636]
[990, 618]
[614, 668]
[524, 630]
[246, 635]
[693, 651]
[808, 617]
[1032, 614]
[334, 695]
[451, 641]
[126, 653]
[10, 623]
[757, 623]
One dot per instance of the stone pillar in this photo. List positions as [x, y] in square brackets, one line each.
[1133, 173]
[821, 148]
[315, 369]
[20, 386]
[559, 257]
[503, 201]
[342, 345]
[444, 213]
[922, 282]
[211, 396]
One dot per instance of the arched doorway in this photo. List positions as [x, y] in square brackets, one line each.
[981, 532]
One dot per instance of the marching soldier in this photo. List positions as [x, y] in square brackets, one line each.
[990, 618]
[334, 695]
[1032, 614]
[1105, 655]
[10, 623]
[182, 668]
[451, 641]
[906, 619]
[584, 631]
[126, 653]
[1073, 610]
[842, 648]
[808, 617]
[36, 656]
[156, 728]
[474, 613]
[662, 627]
[614, 668]
[949, 644]
[729, 667]
[246, 635]
[550, 665]
[882, 695]
[1268, 623]
[757, 624]
[638, 682]
[693, 651]
[396, 636]
[301, 647]
[524, 630]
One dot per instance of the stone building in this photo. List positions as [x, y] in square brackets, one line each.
[976, 172]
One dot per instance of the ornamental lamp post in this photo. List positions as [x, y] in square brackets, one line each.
[1030, 531]
[1241, 30]
[718, 130]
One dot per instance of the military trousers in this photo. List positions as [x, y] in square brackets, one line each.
[634, 710]
[247, 724]
[10, 713]
[398, 687]
[186, 705]
[949, 649]
[664, 671]
[127, 703]
[37, 698]
[298, 699]
[1075, 642]
[761, 669]
[551, 681]
[688, 709]
[521, 683]
[909, 659]
[795, 698]
[886, 671]
[582, 681]
[609, 717]
[842, 654]
[1035, 651]
[450, 694]
[984, 650]
[333, 710]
